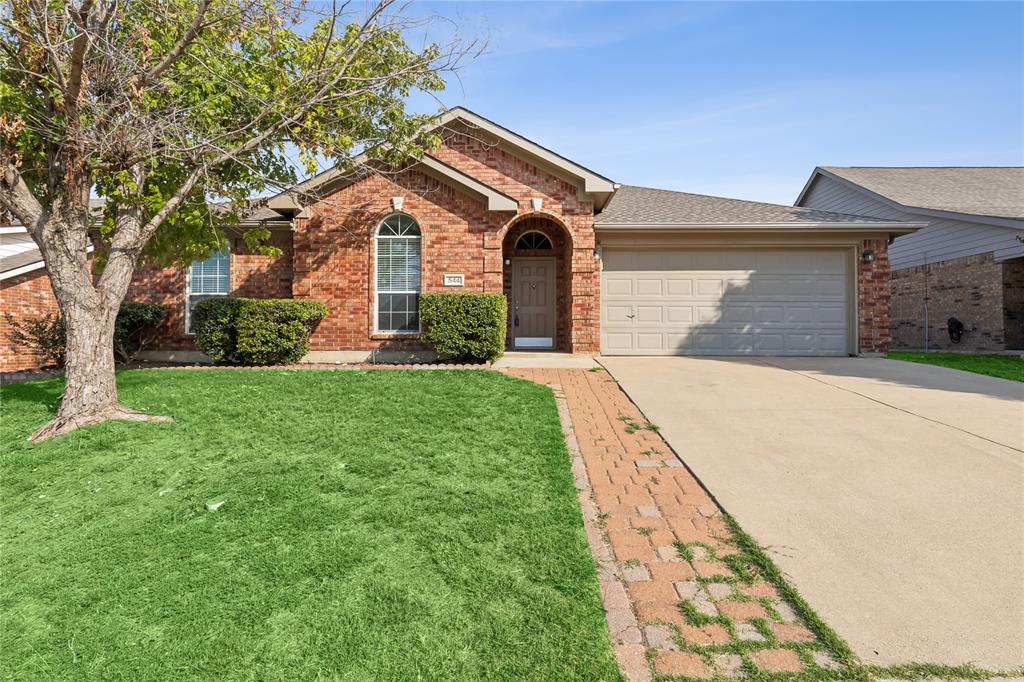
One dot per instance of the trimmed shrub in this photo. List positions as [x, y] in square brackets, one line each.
[276, 331]
[254, 331]
[467, 326]
[135, 327]
[213, 323]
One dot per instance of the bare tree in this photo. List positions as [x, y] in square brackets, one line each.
[158, 106]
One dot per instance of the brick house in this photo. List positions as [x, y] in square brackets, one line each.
[588, 265]
[966, 263]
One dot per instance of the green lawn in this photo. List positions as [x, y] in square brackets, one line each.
[376, 525]
[1002, 366]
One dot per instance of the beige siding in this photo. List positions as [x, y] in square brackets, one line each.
[942, 240]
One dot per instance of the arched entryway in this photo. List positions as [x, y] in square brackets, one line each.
[536, 252]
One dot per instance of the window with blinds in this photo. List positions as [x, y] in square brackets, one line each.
[399, 269]
[206, 279]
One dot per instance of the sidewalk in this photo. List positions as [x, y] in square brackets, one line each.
[681, 598]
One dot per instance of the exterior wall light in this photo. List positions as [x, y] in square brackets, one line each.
[868, 256]
[536, 203]
[397, 203]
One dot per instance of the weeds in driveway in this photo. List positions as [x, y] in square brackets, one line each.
[825, 656]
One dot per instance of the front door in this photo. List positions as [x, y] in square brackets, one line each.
[533, 303]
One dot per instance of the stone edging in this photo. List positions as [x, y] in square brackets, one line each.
[627, 638]
[37, 374]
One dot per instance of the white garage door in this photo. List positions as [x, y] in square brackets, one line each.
[724, 302]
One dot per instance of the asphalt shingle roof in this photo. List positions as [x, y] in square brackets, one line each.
[645, 206]
[994, 192]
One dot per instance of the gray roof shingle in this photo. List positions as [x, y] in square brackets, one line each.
[997, 192]
[18, 260]
[645, 206]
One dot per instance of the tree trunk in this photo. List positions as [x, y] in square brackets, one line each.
[90, 395]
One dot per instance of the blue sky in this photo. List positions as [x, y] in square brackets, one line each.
[744, 99]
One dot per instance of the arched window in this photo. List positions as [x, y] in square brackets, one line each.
[398, 274]
[533, 240]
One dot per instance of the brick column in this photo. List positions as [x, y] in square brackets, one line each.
[873, 293]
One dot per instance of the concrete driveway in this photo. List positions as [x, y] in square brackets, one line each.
[891, 493]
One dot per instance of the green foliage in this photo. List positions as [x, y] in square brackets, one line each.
[276, 331]
[254, 331]
[1002, 366]
[253, 68]
[43, 336]
[365, 533]
[468, 326]
[135, 326]
[213, 323]
[47, 336]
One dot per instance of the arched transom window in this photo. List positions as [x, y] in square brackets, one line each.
[398, 274]
[533, 240]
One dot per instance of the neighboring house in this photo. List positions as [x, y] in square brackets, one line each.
[968, 263]
[25, 293]
[588, 265]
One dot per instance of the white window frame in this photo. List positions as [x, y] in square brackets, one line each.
[377, 236]
[551, 243]
[188, 290]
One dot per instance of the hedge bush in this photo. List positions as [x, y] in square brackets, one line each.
[135, 327]
[467, 326]
[213, 323]
[255, 331]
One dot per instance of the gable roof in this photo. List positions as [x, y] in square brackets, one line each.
[599, 187]
[986, 192]
[291, 199]
[644, 207]
[592, 182]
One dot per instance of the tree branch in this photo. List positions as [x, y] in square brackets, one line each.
[77, 65]
[182, 44]
[16, 197]
[186, 187]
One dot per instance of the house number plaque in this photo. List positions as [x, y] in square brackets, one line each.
[454, 280]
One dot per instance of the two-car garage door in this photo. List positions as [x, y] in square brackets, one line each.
[725, 302]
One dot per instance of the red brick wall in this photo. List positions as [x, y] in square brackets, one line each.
[257, 276]
[330, 255]
[23, 296]
[970, 289]
[155, 284]
[334, 252]
[873, 296]
[472, 152]
[252, 275]
[334, 247]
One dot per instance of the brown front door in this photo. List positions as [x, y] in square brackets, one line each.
[533, 303]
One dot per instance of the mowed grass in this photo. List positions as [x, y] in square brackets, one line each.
[298, 525]
[1002, 366]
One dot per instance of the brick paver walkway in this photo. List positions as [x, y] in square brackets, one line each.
[681, 598]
